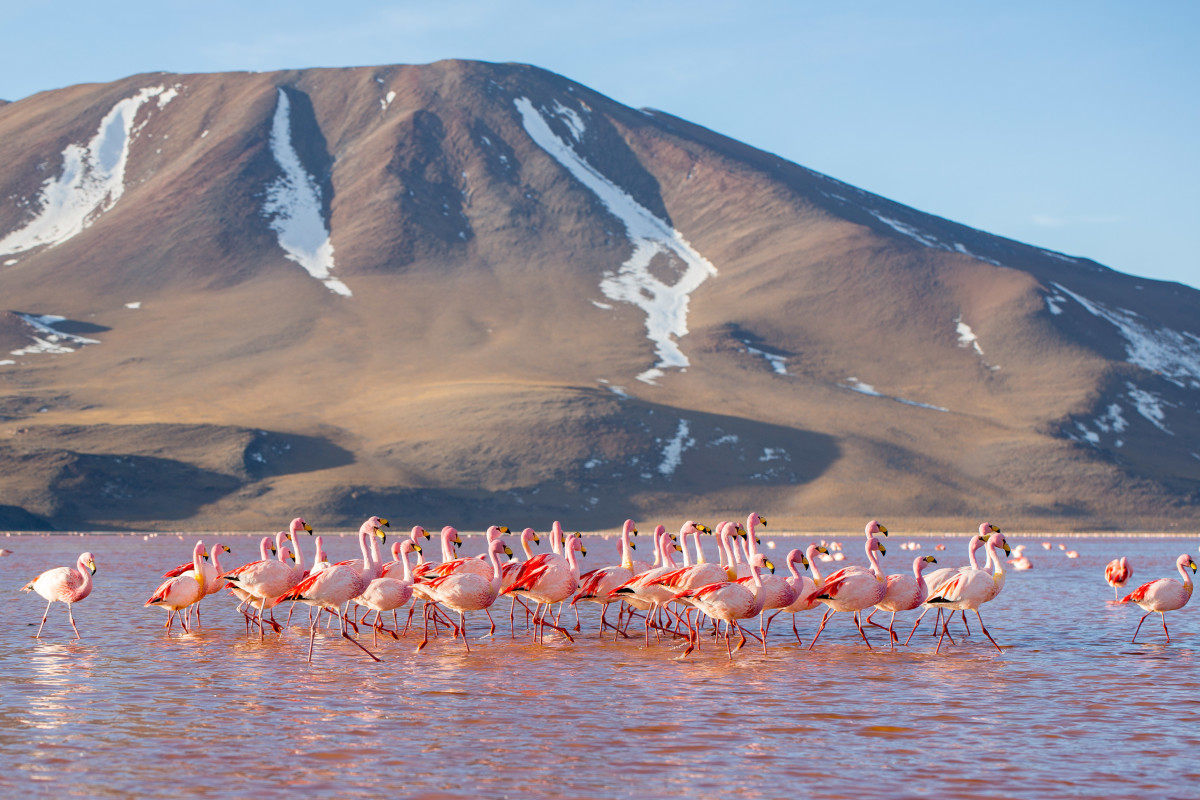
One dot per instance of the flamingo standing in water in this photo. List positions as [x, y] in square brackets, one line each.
[1117, 573]
[388, 593]
[337, 586]
[598, 585]
[65, 584]
[806, 589]
[939, 576]
[548, 579]
[730, 601]
[854, 588]
[970, 589]
[182, 591]
[904, 592]
[1164, 594]
[467, 591]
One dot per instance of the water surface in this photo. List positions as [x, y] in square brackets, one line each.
[1070, 708]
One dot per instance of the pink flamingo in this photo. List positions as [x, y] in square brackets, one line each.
[1117, 573]
[904, 593]
[854, 589]
[598, 585]
[466, 591]
[1164, 594]
[642, 592]
[548, 579]
[182, 591]
[337, 586]
[805, 589]
[266, 581]
[939, 576]
[66, 585]
[729, 601]
[1019, 560]
[971, 588]
[389, 593]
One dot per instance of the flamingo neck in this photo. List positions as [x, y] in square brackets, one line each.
[972, 546]
[1187, 579]
[497, 570]
[793, 557]
[296, 549]
[263, 553]
[527, 547]
[626, 551]
[700, 559]
[687, 556]
[404, 553]
[85, 588]
[874, 559]
[812, 565]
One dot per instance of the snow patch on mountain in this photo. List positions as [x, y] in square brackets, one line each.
[967, 338]
[1172, 354]
[293, 206]
[48, 340]
[92, 178]
[855, 385]
[665, 306]
[673, 451]
[928, 239]
[1150, 406]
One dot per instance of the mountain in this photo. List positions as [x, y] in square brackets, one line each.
[469, 293]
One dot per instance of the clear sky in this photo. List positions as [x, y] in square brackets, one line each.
[1073, 126]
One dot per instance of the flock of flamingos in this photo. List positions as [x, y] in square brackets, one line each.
[685, 602]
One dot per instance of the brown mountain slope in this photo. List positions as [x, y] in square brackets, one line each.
[536, 303]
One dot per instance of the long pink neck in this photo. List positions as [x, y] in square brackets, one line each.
[683, 540]
[874, 559]
[1187, 579]
[793, 559]
[264, 548]
[812, 565]
[668, 556]
[556, 538]
[725, 547]
[447, 546]
[527, 544]
[404, 553]
[972, 546]
[626, 550]
[85, 572]
[700, 559]
[497, 570]
[216, 558]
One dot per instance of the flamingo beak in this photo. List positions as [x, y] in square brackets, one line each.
[1192, 564]
[537, 539]
[882, 549]
[508, 551]
[771, 566]
[804, 562]
[633, 545]
[930, 560]
[762, 521]
[1007, 549]
[308, 528]
[225, 549]
[883, 530]
[704, 529]
[504, 529]
[822, 549]
[92, 566]
[583, 552]
[416, 547]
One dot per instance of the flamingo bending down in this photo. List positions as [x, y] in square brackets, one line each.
[467, 591]
[65, 584]
[1117, 573]
[182, 591]
[1164, 594]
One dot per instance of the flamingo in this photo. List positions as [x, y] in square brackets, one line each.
[1019, 560]
[337, 586]
[642, 592]
[1117, 573]
[853, 588]
[971, 588]
[266, 549]
[182, 591]
[730, 601]
[548, 579]
[598, 585]
[389, 593]
[904, 593]
[65, 584]
[1164, 594]
[265, 580]
[805, 589]
[466, 591]
[939, 576]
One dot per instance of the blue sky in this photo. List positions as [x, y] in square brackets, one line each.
[1069, 125]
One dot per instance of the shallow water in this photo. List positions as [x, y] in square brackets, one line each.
[1070, 708]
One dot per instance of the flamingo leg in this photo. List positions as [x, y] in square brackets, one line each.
[861, 631]
[915, 624]
[1139, 627]
[1161, 614]
[891, 632]
[355, 642]
[488, 611]
[462, 621]
[71, 617]
[39, 633]
[828, 612]
[796, 632]
[312, 635]
[993, 641]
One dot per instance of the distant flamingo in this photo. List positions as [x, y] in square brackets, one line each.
[65, 584]
[1164, 594]
[182, 591]
[1019, 560]
[1117, 573]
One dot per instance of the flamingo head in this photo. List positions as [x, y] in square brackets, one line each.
[760, 560]
[298, 524]
[986, 529]
[409, 546]
[1185, 561]
[89, 561]
[874, 527]
[875, 544]
[997, 540]
[629, 527]
[418, 531]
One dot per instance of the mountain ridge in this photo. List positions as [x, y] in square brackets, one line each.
[526, 262]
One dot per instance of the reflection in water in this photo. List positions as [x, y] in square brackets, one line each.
[1070, 708]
